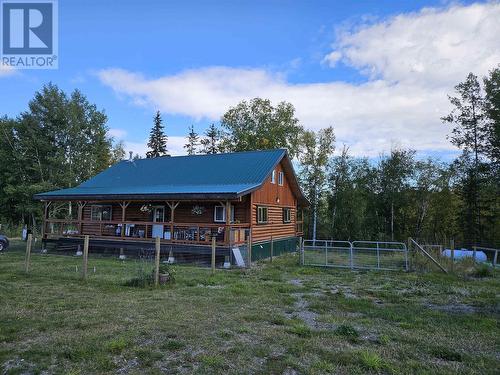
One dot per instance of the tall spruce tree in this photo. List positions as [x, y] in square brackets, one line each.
[157, 139]
[211, 142]
[192, 141]
[492, 106]
[470, 134]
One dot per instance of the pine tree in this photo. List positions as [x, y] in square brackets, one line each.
[211, 141]
[157, 139]
[193, 141]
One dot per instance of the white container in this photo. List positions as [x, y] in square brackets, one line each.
[464, 253]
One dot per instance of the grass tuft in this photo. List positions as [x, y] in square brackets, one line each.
[371, 360]
[300, 329]
[116, 345]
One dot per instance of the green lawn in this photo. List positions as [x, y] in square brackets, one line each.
[274, 319]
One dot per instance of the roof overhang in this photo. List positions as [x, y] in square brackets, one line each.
[137, 197]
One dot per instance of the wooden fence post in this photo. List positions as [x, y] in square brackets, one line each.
[272, 249]
[474, 248]
[495, 258]
[28, 254]
[85, 256]
[452, 251]
[157, 262]
[213, 254]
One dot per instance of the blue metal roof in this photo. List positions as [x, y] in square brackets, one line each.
[215, 175]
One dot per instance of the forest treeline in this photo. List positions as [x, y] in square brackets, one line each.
[61, 140]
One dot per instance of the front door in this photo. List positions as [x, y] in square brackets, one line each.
[159, 214]
[158, 217]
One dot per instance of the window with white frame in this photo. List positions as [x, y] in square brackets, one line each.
[273, 177]
[100, 213]
[280, 178]
[261, 215]
[220, 214]
[287, 215]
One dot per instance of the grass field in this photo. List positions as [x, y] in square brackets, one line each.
[277, 318]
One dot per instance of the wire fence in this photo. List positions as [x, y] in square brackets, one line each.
[355, 255]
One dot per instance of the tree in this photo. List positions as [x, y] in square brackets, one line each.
[317, 149]
[118, 152]
[211, 142]
[257, 125]
[157, 139]
[58, 142]
[470, 134]
[395, 172]
[492, 107]
[192, 141]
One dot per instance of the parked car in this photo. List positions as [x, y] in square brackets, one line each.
[4, 243]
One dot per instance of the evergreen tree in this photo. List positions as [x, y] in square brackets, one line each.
[211, 142]
[192, 141]
[470, 133]
[157, 139]
[492, 106]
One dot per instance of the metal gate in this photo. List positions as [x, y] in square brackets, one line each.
[373, 255]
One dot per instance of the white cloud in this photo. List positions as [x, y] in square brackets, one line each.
[413, 61]
[432, 47]
[118, 134]
[7, 70]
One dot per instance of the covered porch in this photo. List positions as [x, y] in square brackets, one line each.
[175, 221]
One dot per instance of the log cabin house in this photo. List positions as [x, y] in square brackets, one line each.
[240, 198]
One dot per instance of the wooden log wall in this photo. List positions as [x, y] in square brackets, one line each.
[275, 197]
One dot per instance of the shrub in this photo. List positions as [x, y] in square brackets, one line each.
[142, 280]
[482, 270]
[347, 331]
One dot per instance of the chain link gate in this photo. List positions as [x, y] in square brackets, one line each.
[371, 255]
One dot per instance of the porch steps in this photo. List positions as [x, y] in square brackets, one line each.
[238, 257]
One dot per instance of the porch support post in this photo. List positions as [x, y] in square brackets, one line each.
[227, 234]
[173, 205]
[81, 205]
[45, 217]
[124, 206]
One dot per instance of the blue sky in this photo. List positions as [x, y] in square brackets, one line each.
[193, 59]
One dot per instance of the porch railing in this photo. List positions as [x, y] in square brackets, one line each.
[192, 233]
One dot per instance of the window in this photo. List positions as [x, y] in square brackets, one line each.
[280, 178]
[287, 215]
[100, 213]
[273, 177]
[220, 214]
[261, 215]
